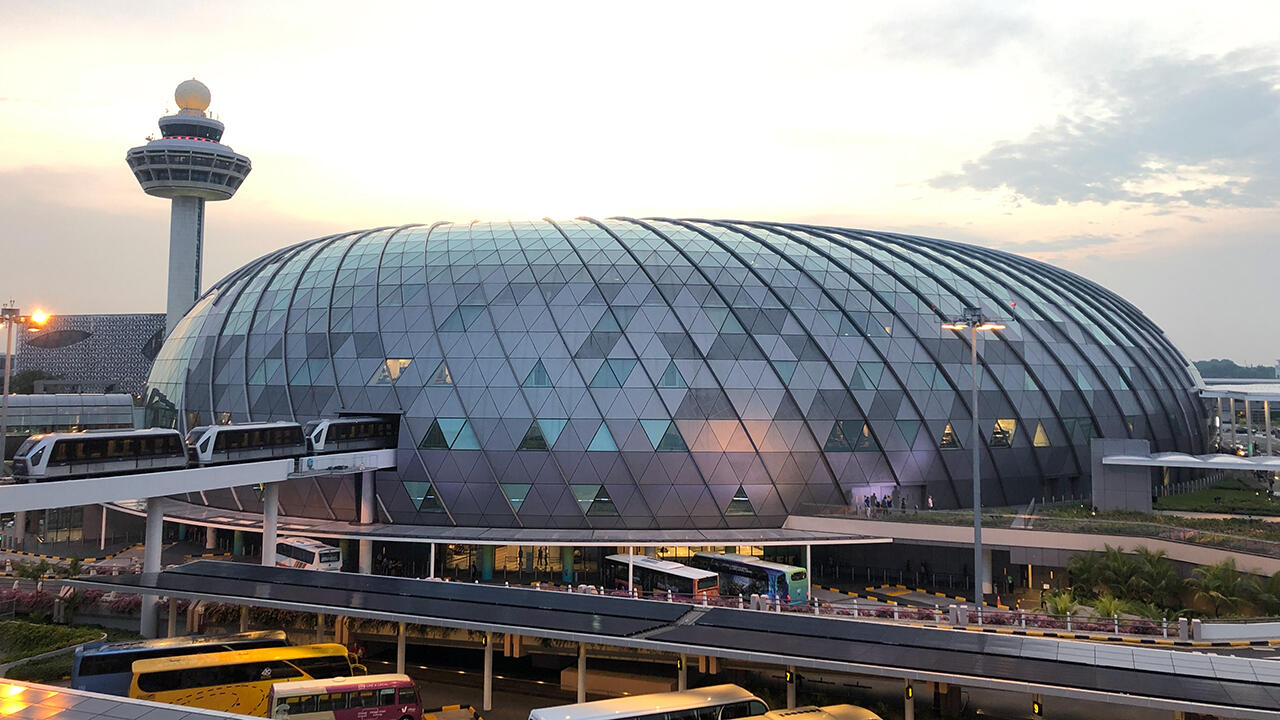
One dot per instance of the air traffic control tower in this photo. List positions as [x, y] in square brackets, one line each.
[188, 164]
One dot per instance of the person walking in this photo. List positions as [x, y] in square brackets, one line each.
[930, 502]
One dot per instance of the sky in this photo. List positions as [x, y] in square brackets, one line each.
[1134, 143]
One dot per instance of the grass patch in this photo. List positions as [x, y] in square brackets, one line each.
[1230, 496]
[47, 670]
[22, 639]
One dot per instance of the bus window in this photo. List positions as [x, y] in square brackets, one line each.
[408, 696]
[748, 708]
[799, 575]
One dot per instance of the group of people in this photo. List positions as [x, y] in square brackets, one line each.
[873, 505]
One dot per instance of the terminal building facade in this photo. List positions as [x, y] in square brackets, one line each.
[651, 374]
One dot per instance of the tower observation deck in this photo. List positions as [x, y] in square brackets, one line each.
[187, 164]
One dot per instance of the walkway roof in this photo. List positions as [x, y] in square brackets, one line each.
[191, 513]
[1126, 675]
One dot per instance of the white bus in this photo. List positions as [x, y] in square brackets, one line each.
[830, 712]
[714, 702]
[307, 554]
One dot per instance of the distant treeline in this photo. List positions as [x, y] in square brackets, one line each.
[1227, 369]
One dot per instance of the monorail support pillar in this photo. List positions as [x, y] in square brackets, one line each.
[582, 672]
[400, 642]
[270, 522]
[151, 566]
[366, 518]
[487, 700]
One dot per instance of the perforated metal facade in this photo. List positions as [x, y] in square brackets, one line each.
[672, 373]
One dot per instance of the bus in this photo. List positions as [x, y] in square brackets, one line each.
[830, 712]
[108, 667]
[237, 681]
[749, 575]
[307, 554]
[651, 575]
[714, 702]
[375, 697]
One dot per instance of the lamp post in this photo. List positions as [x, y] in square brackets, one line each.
[11, 317]
[974, 320]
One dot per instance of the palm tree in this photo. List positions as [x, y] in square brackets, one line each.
[1223, 587]
[1154, 581]
[1084, 570]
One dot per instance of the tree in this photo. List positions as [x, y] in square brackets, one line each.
[1155, 581]
[24, 383]
[1222, 587]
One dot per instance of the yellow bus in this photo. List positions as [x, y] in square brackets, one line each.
[237, 681]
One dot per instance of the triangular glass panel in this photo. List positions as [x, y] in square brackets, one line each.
[441, 376]
[740, 504]
[864, 442]
[837, 440]
[551, 428]
[909, 429]
[585, 495]
[949, 441]
[622, 368]
[602, 504]
[1042, 438]
[672, 440]
[466, 439]
[786, 369]
[538, 376]
[388, 372]
[671, 377]
[603, 439]
[533, 438]
[516, 493]
[1002, 433]
[604, 378]
[423, 495]
[434, 439]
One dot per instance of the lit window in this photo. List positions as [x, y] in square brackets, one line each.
[1002, 433]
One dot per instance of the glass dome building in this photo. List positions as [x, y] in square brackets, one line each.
[673, 373]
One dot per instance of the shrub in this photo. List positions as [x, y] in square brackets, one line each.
[45, 670]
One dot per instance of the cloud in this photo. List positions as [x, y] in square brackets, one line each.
[955, 35]
[1184, 131]
[1070, 242]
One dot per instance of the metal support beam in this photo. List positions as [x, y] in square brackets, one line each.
[366, 518]
[151, 565]
[582, 672]
[631, 569]
[172, 630]
[908, 701]
[1266, 420]
[102, 530]
[682, 667]
[791, 687]
[400, 648]
[270, 522]
[431, 573]
[488, 672]
[244, 618]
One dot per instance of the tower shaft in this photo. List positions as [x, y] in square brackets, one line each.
[186, 248]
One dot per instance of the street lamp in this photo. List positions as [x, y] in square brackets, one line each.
[974, 320]
[10, 318]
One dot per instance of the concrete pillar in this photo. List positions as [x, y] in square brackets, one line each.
[366, 518]
[270, 522]
[791, 687]
[400, 648]
[182, 531]
[682, 668]
[244, 618]
[210, 538]
[485, 555]
[186, 236]
[1266, 423]
[1248, 426]
[431, 573]
[582, 672]
[631, 569]
[172, 630]
[20, 529]
[808, 570]
[102, 531]
[237, 543]
[1217, 427]
[908, 701]
[987, 586]
[566, 568]
[151, 565]
[319, 627]
[488, 671]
